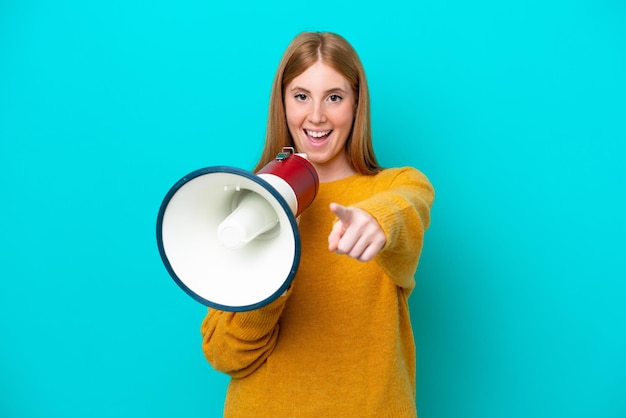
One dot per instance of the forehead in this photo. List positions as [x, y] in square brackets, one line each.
[320, 77]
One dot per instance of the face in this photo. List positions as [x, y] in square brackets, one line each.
[320, 108]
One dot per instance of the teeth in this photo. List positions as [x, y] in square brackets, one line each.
[315, 134]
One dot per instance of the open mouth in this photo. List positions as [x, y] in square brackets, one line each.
[317, 136]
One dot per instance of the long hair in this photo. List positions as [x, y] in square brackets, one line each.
[306, 49]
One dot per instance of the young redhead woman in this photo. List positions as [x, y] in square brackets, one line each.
[339, 343]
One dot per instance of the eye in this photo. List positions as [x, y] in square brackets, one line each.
[335, 98]
[300, 97]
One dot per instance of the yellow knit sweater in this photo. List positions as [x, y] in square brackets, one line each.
[339, 343]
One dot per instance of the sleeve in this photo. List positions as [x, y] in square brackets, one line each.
[237, 343]
[401, 205]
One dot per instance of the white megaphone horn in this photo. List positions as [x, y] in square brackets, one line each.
[229, 238]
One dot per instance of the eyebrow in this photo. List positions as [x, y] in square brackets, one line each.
[333, 90]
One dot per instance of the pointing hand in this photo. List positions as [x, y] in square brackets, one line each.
[356, 233]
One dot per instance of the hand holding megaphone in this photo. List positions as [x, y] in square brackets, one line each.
[356, 233]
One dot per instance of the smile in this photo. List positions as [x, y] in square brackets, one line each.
[317, 134]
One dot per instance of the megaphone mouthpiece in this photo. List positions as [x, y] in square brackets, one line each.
[252, 217]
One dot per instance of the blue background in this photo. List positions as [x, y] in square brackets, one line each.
[515, 110]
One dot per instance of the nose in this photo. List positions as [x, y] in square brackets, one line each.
[317, 115]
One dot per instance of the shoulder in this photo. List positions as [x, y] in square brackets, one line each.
[399, 176]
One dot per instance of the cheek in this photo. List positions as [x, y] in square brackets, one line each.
[294, 118]
[294, 126]
[345, 118]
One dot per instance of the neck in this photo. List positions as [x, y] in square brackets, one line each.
[328, 174]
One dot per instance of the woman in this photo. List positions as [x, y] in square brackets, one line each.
[339, 343]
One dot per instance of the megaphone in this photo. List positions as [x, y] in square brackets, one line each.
[229, 238]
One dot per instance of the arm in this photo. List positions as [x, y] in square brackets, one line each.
[237, 343]
[399, 212]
